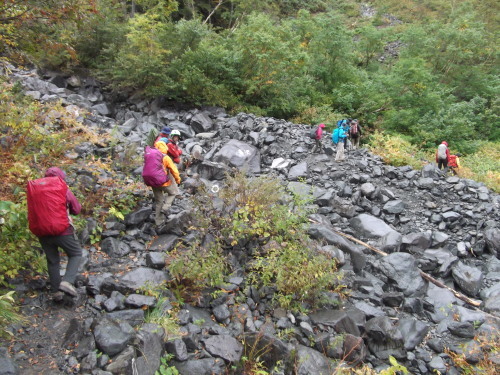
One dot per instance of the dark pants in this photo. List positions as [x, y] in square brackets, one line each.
[73, 250]
[443, 163]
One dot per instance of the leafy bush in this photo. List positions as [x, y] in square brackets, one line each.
[258, 217]
[397, 151]
[16, 243]
[8, 313]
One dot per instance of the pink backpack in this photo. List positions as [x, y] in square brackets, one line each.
[47, 210]
[153, 172]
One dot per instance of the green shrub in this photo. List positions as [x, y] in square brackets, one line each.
[8, 313]
[17, 252]
[256, 216]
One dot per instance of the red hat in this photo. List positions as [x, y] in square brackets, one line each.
[321, 125]
[444, 143]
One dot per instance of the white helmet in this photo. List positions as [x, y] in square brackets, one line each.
[175, 132]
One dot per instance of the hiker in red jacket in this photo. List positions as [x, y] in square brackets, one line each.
[174, 150]
[67, 241]
[317, 138]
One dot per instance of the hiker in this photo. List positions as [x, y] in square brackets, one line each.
[355, 134]
[340, 137]
[442, 155]
[164, 195]
[454, 163]
[317, 138]
[164, 133]
[174, 150]
[66, 239]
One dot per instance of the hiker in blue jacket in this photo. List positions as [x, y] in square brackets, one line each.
[342, 135]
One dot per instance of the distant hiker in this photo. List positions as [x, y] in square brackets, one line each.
[164, 133]
[355, 134]
[454, 163]
[318, 133]
[50, 203]
[173, 149]
[341, 136]
[165, 193]
[442, 155]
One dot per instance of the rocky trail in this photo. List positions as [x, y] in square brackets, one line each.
[445, 226]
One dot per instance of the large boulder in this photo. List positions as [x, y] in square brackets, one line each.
[240, 155]
[402, 270]
[492, 237]
[369, 226]
[225, 347]
[112, 337]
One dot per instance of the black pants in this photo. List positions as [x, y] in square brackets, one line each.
[443, 163]
[73, 250]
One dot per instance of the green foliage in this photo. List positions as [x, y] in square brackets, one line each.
[256, 213]
[298, 274]
[9, 313]
[197, 267]
[165, 368]
[17, 250]
[166, 319]
[396, 150]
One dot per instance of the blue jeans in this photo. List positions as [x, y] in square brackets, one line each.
[73, 250]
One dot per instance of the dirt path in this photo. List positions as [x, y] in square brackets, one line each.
[42, 347]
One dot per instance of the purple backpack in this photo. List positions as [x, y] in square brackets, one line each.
[153, 172]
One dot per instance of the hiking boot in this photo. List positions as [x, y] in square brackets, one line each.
[57, 296]
[68, 288]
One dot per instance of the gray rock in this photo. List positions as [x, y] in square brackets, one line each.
[368, 190]
[225, 347]
[201, 123]
[394, 207]
[469, 279]
[178, 348]
[492, 305]
[298, 171]
[384, 339]
[156, 260]
[139, 301]
[272, 351]
[7, 365]
[150, 350]
[138, 217]
[439, 238]
[102, 109]
[321, 232]
[369, 226]
[122, 363]
[425, 183]
[413, 331]
[205, 366]
[310, 361]
[430, 171]
[402, 269]
[339, 320]
[461, 329]
[133, 317]
[112, 337]
[437, 365]
[163, 243]
[239, 155]
[492, 238]
[221, 313]
[390, 242]
[143, 277]
[186, 130]
[416, 242]
[114, 247]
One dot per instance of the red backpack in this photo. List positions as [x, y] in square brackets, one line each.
[452, 161]
[47, 207]
[153, 172]
[354, 130]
